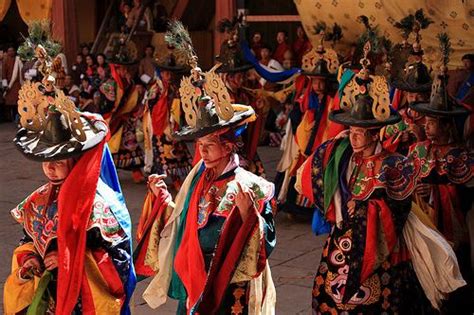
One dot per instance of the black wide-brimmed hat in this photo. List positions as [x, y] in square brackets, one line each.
[441, 104]
[320, 62]
[206, 102]
[232, 59]
[52, 129]
[365, 100]
[172, 63]
[361, 115]
[210, 122]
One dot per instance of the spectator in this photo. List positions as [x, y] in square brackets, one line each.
[282, 46]
[256, 44]
[91, 67]
[12, 74]
[101, 65]
[269, 63]
[145, 22]
[86, 103]
[86, 85]
[288, 60]
[267, 60]
[125, 8]
[78, 68]
[147, 64]
[70, 89]
[85, 50]
[301, 45]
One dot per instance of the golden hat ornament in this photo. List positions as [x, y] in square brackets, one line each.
[365, 100]
[51, 127]
[320, 61]
[205, 100]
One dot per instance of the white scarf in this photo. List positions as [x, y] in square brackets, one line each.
[16, 72]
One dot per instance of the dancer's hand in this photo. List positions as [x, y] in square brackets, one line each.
[157, 185]
[32, 263]
[244, 201]
[51, 260]
[31, 266]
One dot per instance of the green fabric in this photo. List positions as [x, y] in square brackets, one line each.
[331, 172]
[345, 78]
[176, 290]
[40, 302]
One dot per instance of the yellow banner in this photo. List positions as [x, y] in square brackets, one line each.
[31, 10]
[4, 6]
[454, 17]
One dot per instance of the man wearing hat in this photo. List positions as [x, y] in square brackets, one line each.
[124, 115]
[313, 103]
[233, 70]
[75, 256]
[364, 192]
[446, 166]
[413, 86]
[215, 239]
[162, 117]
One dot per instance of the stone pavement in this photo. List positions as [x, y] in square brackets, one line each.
[293, 262]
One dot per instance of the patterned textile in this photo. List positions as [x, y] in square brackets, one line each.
[130, 154]
[107, 261]
[365, 267]
[171, 157]
[447, 168]
[455, 18]
[451, 161]
[222, 242]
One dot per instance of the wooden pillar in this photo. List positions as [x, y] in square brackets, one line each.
[65, 27]
[224, 9]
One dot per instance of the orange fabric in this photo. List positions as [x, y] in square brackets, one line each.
[159, 114]
[4, 6]
[34, 10]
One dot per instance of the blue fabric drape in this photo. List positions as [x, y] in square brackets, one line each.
[264, 73]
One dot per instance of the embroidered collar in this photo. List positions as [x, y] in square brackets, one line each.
[392, 172]
[450, 160]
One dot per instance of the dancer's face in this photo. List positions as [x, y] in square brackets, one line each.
[318, 85]
[57, 171]
[362, 138]
[213, 151]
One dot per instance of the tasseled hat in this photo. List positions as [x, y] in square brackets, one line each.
[204, 97]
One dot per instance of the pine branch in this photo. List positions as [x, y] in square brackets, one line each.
[422, 19]
[336, 33]
[319, 27]
[445, 47]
